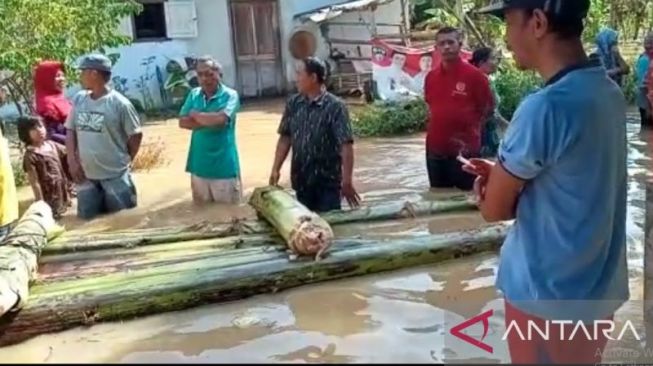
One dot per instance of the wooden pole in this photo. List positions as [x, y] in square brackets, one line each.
[405, 27]
[460, 13]
[648, 262]
[373, 18]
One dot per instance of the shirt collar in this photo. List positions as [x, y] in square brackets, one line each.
[215, 95]
[592, 62]
[452, 67]
[319, 100]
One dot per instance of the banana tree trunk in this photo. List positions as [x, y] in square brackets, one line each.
[75, 242]
[62, 305]
[305, 232]
[102, 262]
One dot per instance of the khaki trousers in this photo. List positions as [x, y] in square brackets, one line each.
[227, 191]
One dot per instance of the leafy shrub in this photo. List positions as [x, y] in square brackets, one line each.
[387, 119]
[630, 88]
[513, 86]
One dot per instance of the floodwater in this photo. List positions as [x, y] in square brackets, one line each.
[401, 316]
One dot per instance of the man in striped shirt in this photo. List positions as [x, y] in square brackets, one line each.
[316, 125]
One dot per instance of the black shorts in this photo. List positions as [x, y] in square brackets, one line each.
[319, 199]
[647, 119]
[447, 172]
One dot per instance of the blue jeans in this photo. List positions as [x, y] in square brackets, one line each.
[96, 197]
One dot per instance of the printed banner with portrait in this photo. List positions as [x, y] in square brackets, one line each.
[399, 72]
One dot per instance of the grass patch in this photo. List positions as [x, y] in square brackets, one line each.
[151, 155]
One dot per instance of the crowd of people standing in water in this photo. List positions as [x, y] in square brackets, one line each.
[559, 170]
[103, 130]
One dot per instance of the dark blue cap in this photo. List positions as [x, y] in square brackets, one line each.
[97, 62]
[569, 9]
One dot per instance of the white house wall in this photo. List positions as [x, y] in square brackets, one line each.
[214, 38]
[389, 13]
[130, 65]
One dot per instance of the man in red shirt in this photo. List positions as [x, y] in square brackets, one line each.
[459, 100]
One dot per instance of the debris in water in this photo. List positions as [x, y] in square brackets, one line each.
[248, 321]
[50, 350]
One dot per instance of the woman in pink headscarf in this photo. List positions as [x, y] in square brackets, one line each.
[51, 103]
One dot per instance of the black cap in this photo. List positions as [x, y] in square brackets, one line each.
[570, 9]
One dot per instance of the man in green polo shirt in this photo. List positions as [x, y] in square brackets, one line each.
[210, 113]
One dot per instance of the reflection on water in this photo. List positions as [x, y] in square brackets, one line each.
[393, 317]
[403, 316]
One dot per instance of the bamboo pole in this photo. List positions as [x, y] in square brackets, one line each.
[19, 253]
[63, 305]
[73, 242]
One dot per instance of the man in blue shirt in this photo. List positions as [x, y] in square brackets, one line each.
[210, 112]
[562, 175]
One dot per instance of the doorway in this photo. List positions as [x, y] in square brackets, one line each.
[256, 38]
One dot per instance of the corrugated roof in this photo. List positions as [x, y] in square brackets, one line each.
[332, 11]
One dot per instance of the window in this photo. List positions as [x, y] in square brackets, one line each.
[161, 20]
[151, 22]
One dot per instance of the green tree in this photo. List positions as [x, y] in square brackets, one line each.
[35, 30]
[632, 18]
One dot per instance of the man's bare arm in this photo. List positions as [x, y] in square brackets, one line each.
[347, 152]
[134, 144]
[71, 146]
[188, 123]
[281, 153]
[216, 119]
[74, 164]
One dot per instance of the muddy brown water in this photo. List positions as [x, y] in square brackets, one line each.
[400, 316]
